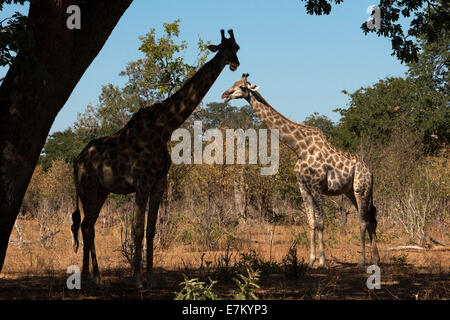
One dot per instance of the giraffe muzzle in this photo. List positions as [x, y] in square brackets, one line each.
[226, 96]
[234, 66]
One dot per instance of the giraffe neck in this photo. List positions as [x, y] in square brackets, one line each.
[178, 107]
[291, 134]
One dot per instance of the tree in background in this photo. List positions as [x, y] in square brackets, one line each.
[13, 34]
[60, 145]
[161, 72]
[322, 122]
[221, 114]
[432, 64]
[419, 101]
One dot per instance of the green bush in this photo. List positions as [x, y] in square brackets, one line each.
[196, 290]
[247, 285]
[252, 261]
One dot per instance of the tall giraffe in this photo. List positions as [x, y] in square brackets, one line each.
[321, 169]
[136, 159]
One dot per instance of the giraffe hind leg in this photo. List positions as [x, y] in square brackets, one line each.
[363, 210]
[318, 225]
[156, 196]
[92, 205]
[139, 219]
[371, 228]
[309, 208]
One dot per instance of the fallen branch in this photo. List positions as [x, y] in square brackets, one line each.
[405, 248]
[16, 241]
[262, 242]
[440, 243]
[439, 248]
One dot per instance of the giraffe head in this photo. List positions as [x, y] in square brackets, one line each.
[240, 89]
[227, 48]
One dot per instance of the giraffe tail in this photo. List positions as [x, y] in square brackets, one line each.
[372, 209]
[76, 219]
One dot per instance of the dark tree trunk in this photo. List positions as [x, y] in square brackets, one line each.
[38, 84]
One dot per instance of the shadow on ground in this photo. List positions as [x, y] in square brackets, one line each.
[337, 281]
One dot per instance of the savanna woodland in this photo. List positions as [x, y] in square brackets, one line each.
[223, 231]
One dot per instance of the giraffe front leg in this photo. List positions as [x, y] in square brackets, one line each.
[309, 208]
[321, 247]
[318, 225]
[139, 219]
[312, 244]
[156, 196]
[313, 233]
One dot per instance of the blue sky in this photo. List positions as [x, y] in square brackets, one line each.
[301, 62]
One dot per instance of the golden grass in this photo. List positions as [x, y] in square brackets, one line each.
[270, 243]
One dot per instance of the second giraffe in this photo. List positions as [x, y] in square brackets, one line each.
[321, 169]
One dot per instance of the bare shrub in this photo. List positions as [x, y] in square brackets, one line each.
[126, 217]
[49, 200]
[411, 189]
[57, 204]
[166, 227]
[49, 222]
[416, 206]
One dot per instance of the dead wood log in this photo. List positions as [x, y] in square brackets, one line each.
[405, 248]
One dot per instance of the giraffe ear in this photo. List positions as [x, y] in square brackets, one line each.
[254, 87]
[213, 48]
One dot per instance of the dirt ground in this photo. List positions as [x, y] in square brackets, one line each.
[34, 272]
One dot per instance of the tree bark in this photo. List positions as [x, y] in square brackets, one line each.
[38, 84]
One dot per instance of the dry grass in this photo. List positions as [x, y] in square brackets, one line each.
[37, 272]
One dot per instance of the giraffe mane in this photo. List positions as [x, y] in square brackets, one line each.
[260, 98]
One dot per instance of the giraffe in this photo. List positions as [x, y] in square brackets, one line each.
[136, 159]
[321, 169]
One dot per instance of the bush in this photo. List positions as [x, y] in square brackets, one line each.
[293, 268]
[207, 230]
[252, 261]
[196, 290]
[50, 199]
[412, 188]
[247, 285]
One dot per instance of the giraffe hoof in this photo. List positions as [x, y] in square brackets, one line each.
[98, 283]
[138, 283]
[91, 284]
[376, 260]
[150, 283]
